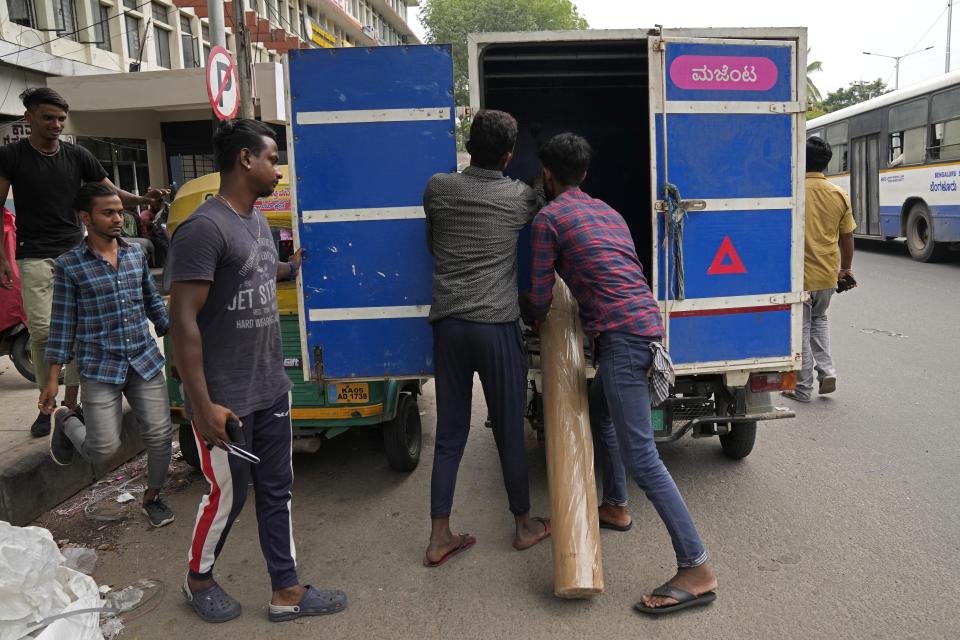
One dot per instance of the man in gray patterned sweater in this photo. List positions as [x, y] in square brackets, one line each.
[473, 221]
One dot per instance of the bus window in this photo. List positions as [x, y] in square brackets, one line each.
[908, 133]
[945, 133]
[946, 141]
[837, 139]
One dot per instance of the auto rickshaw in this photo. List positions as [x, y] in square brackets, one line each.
[320, 411]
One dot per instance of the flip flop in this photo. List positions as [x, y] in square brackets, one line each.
[546, 534]
[466, 541]
[616, 527]
[684, 599]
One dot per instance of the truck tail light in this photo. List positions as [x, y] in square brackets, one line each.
[761, 382]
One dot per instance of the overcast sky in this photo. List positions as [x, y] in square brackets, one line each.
[838, 31]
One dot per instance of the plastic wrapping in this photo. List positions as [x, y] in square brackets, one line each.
[577, 565]
[39, 594]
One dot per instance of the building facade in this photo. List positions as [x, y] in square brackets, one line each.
[132, 70]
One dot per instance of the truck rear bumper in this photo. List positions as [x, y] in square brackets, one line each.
[707, 426]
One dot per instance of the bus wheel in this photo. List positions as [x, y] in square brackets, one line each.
[920, 240]
[401, 436]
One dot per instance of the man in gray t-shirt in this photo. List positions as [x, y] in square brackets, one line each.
[239, 322]
[226, 345]
[473, 222]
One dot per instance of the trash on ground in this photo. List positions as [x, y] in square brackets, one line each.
[136, 596]
[111, 628]
[125, 497]
[80, 559]
[38, 593]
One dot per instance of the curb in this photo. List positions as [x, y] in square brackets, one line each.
[31, 483]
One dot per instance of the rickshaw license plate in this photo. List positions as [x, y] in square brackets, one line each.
[349, 393]
[656, 417]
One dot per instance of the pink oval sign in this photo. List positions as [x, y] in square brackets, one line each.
[723, 73]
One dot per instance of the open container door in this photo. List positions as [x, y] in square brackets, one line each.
[726, 116]
[368, 128]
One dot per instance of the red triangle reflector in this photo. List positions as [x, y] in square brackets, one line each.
[726, 261]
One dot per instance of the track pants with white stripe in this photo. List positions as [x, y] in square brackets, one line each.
[268, 435]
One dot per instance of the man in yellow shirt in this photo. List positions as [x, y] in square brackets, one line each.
[828, 258]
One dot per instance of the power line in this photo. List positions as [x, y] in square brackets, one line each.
[927, 31]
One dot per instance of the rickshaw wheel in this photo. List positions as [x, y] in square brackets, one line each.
[401, 436]
[739, 442]
[188, 446]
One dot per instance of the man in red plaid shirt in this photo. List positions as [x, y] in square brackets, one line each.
[590, 246]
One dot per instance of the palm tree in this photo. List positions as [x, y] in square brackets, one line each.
[813, 93]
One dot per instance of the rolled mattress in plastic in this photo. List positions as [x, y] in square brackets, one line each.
[577, 565]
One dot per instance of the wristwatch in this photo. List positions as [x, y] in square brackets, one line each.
[294, 269]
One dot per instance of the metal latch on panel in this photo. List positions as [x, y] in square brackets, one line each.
[685, 205]
[786, 107]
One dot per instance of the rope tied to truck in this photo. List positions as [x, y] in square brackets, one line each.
[673, 239]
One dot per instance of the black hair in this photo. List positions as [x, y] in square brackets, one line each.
[567, 156]
[818, 154]
[88, 193]
[36, 96]
[232, 136]
[492, 134]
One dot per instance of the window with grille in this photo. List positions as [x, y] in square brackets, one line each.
[101, 26]
[132, 24]
[188, 43]
[22, 12]
[161, 39]
[66, 19]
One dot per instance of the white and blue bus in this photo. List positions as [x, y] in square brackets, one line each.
[898, 156]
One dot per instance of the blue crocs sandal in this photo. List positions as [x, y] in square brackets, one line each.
[315, 602]
[212, 604]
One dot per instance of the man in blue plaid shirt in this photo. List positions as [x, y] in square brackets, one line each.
[103, 295]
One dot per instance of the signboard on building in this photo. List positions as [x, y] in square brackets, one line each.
[17, 131]
[223, 87]
[321, 37]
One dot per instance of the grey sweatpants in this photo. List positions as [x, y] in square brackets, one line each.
[816, 341]
[97, 439]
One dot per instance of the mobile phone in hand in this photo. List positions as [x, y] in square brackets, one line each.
[846, 283]
[234, 432]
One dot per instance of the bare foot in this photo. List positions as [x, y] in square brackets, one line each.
[288, 596]
[615, 515]
[695, 580]
[530, 531]
[442, 543]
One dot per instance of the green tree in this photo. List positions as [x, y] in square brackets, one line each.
[449, 21]
[856, 93]
[813, 93]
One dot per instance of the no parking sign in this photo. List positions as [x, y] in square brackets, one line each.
[223, 87]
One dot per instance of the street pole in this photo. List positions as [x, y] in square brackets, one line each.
[896, 61]
[949, 29]
[244, 62]
[218, 36]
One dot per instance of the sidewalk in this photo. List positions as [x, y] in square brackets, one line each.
[30, 482]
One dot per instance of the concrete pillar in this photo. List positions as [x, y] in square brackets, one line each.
[157, 160]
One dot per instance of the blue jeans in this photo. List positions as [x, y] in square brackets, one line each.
[623, 439]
